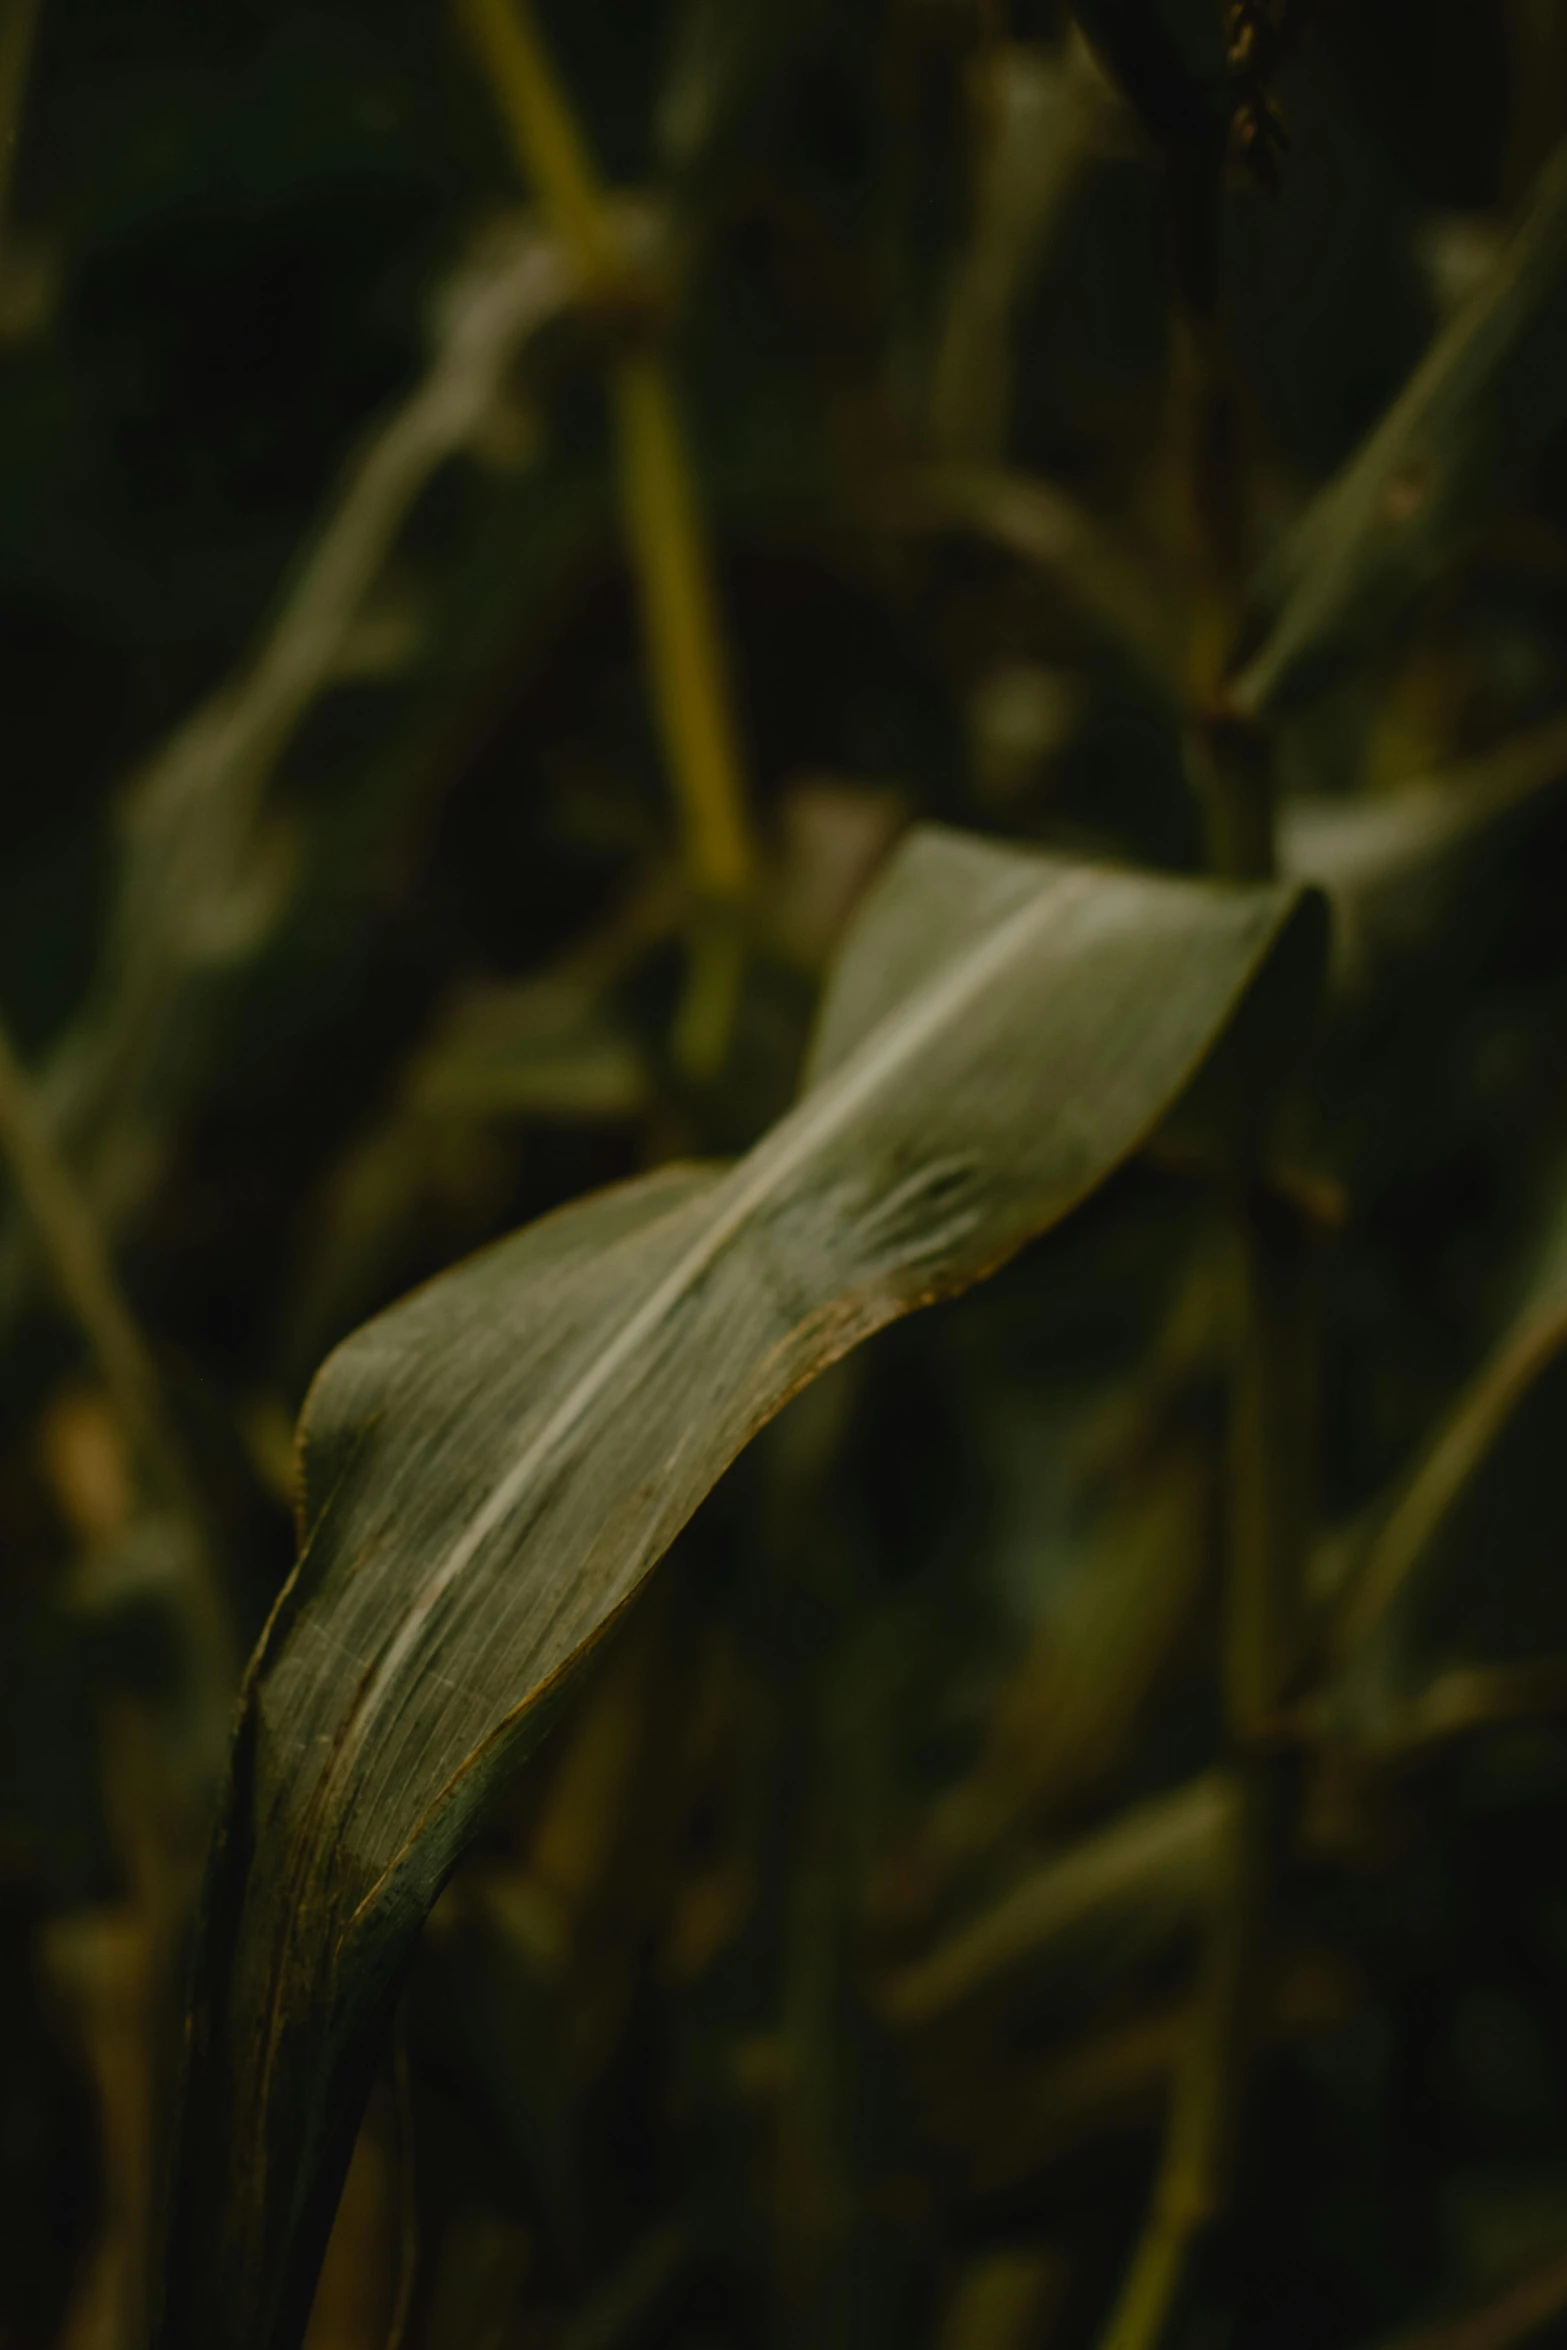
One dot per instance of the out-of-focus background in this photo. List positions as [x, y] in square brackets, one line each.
[346, 921]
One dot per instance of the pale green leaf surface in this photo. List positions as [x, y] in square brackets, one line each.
[492, 1467]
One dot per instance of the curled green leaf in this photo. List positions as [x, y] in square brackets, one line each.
[492, 1468]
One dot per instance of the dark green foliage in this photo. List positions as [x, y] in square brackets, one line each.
[816, 1966]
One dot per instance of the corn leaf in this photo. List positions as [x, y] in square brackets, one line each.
[490, 1469]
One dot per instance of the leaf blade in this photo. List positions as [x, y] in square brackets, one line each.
[492, 1468]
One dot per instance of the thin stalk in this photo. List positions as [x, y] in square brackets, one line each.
[544, 130]
[680, 617]
[1199, 2136]
[1233, 759]
[1442, 1475]
[162, 1802]
[1232, 766]
[1271, 1437]
[50, 1196]
[80, 1261]
[1230, 758]
[682, 638]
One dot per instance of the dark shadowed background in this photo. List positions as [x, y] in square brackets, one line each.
[738, 2026]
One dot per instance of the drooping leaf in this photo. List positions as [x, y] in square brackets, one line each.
[1384, 860]
[490, 1469]
[1454, 444]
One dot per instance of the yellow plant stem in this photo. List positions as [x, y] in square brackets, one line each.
[51, 1197]
[681, 622]
[64, 1224]
[681, 632]
[544, 131]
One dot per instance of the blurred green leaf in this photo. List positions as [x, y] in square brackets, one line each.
[1456, 443]
[1039, 523]
[1372, 1630]
[542, 1048]
[1389, 862]
[1154, 1868]
[211, 865]
[1048, 113]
